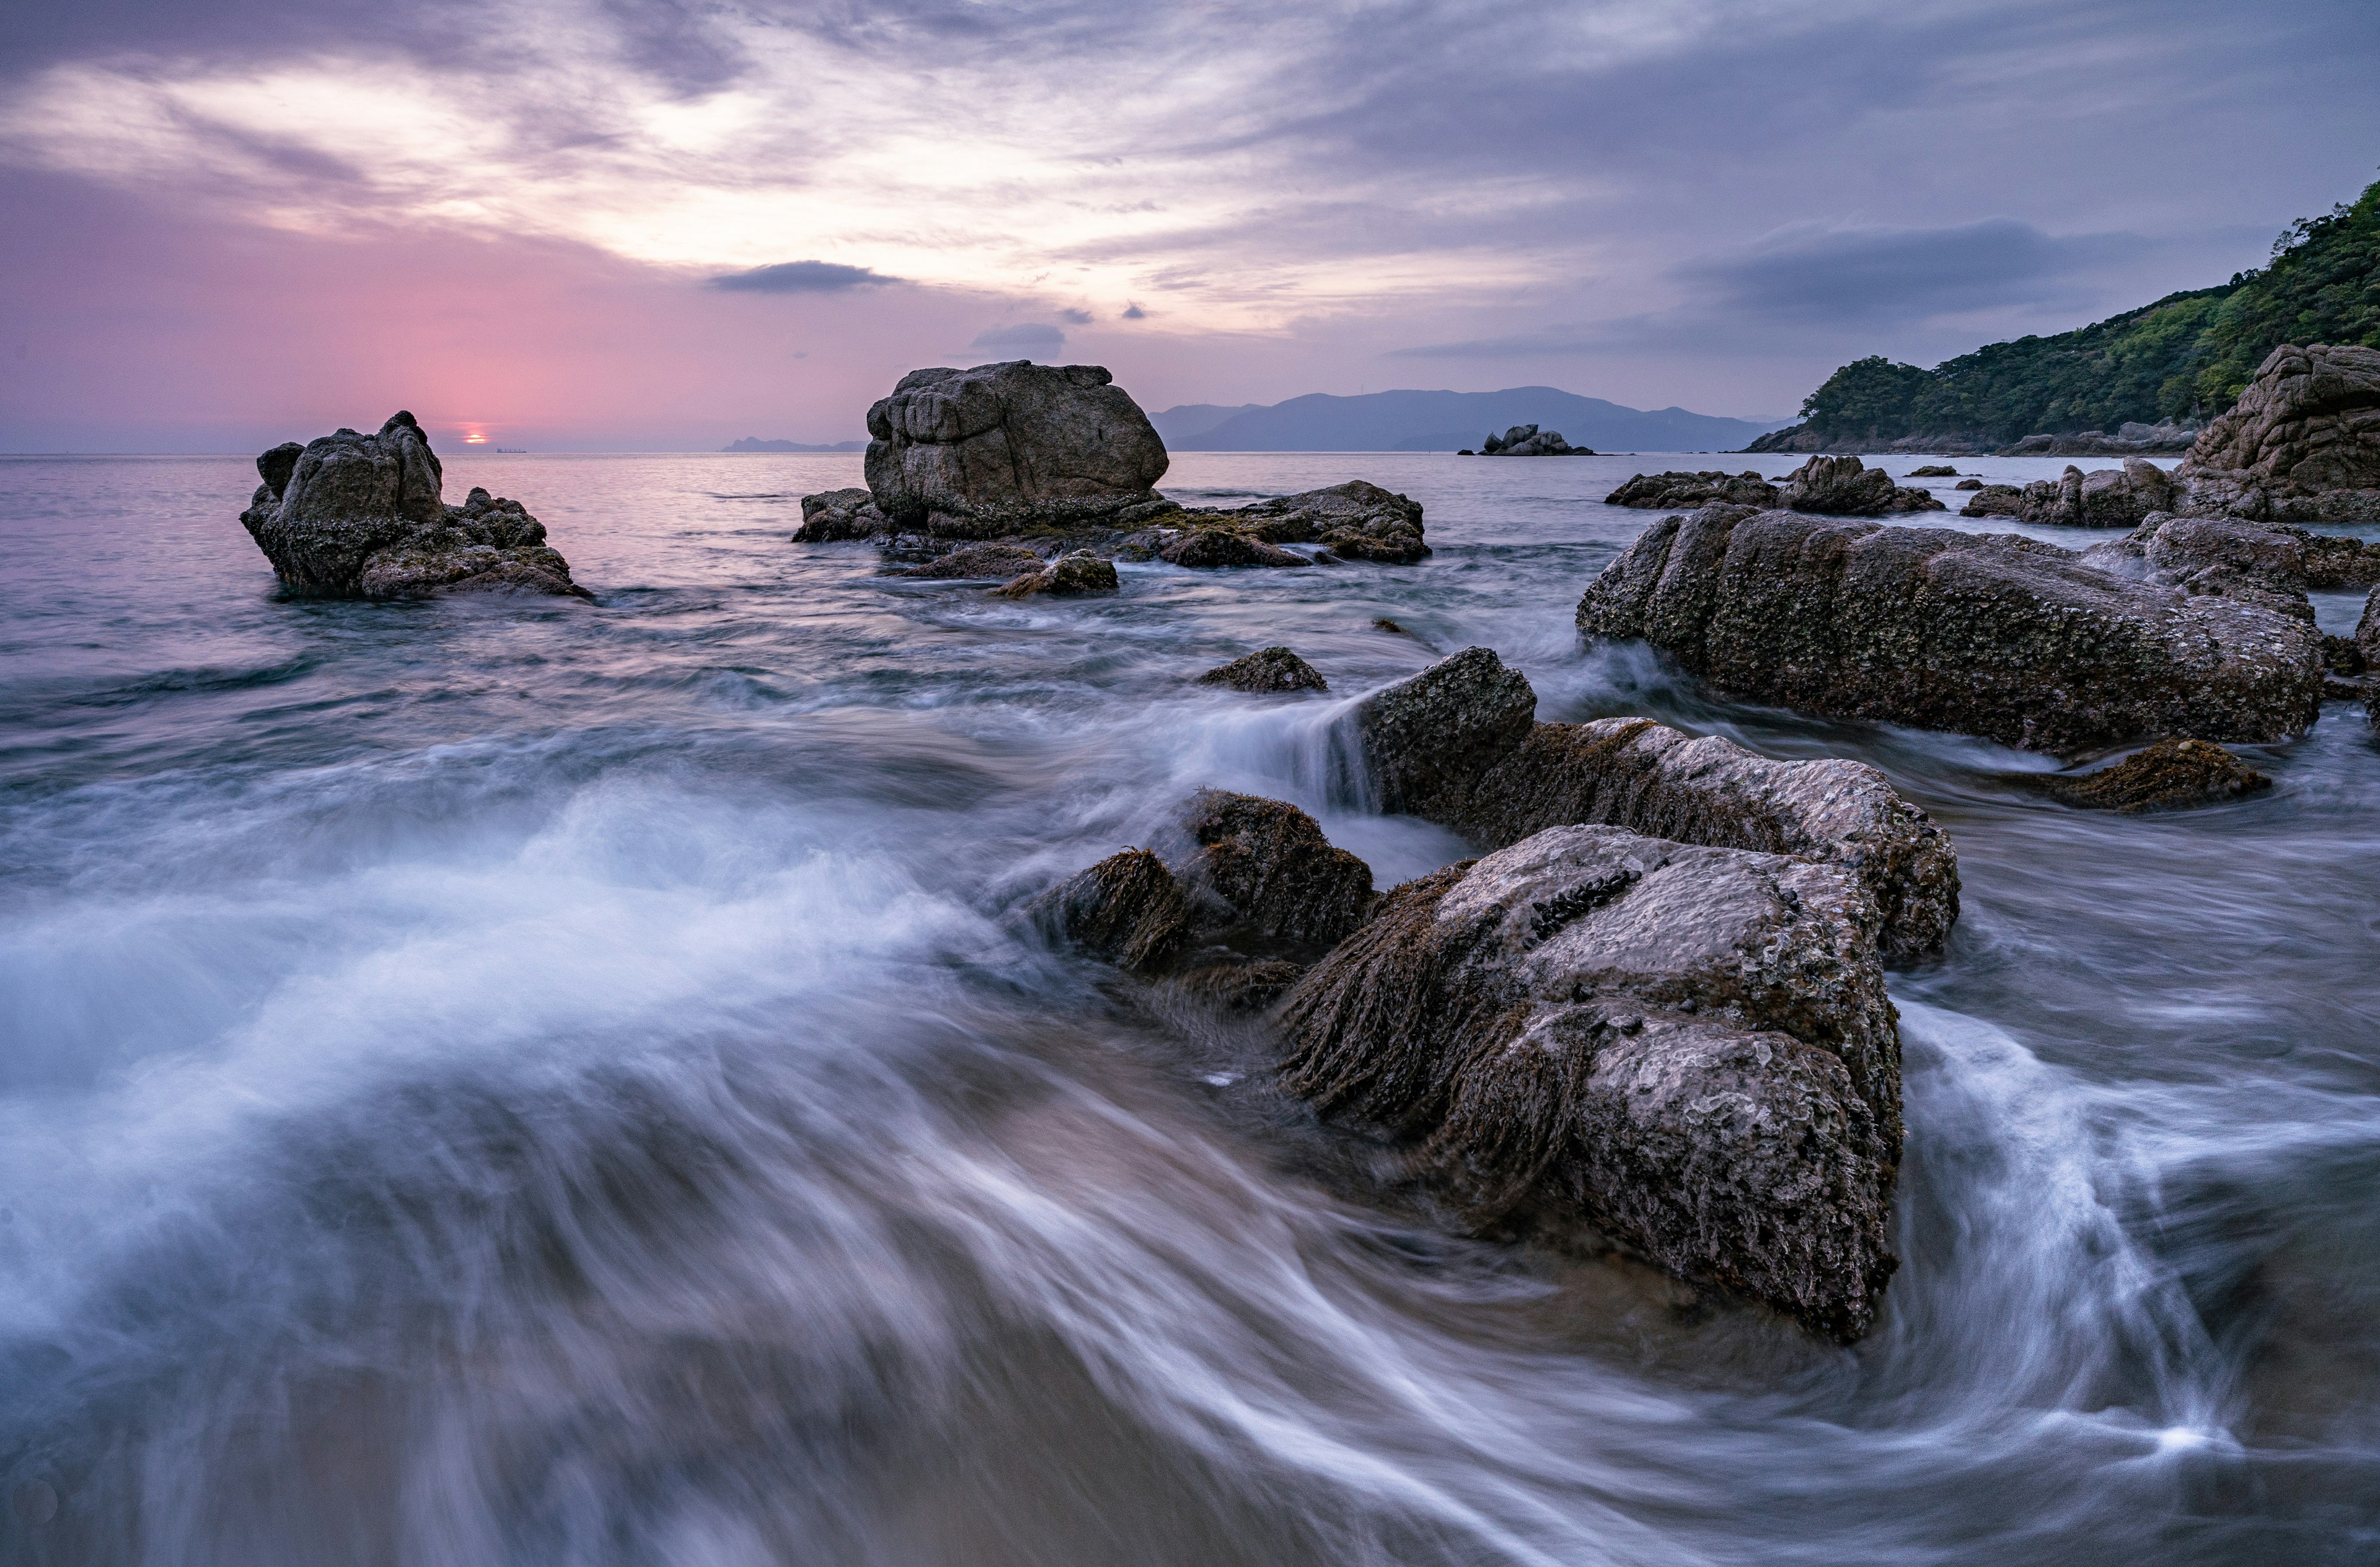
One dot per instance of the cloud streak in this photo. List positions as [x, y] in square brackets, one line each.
[800, 277]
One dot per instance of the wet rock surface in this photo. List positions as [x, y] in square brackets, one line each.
[1128, 910]
[2172, 775]
[1069, 577]
[1848, 487]
[1266, 671]
[361, 516]
[2301, 445]
[836, 515]
[2228, 554]
[999, 562]
[1355, 521]
[1423, 743]
[1225, 547]
[1270, 864]
[1689, 1048]
[1683, 491]
[1985, 633]
[987, 451]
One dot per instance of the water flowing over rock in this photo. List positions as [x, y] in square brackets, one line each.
[1689, 1048]
[1002, 448]
[838, 514]
[1264, 670]
[1683, 491]
[1527, 440]
[1426, 742]
[2271, 563]
[361, 516]
[2301, 445]
[2169, 775]
[1070, 575]
[1989, 635]
[1848, 487]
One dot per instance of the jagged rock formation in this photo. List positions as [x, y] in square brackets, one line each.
[1845, 487]
[361, 516]
[1990, 634]
[840, 514]
[1690, 1048]
[2104, 498]
[1266, 671]
[1457, 744]
[1070, 575]
[1000, 449]
[2301, 445]
[1527, 440]
[1684, 492]
[2169, 775]
[1354, 521]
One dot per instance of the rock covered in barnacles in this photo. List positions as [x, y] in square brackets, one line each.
[1267, 669]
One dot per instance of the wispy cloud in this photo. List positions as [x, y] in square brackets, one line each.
[1027, 339]
[800, 277]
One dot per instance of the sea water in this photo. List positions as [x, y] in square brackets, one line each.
[493, 1081]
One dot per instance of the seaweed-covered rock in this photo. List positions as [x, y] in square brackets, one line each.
[1690, 1048]
[1270, 862]
[1845, 487]
[1000, 448]
[1354, 521]
[1425, 742]
[1986, 633]
[833, 515]
[1527, 440]
[1683, 491]
[1264, 670]
[2301, 445]
[1070, 575]
[361, 516]
[1225, 547]
[1128, 908]
[2168, 776]
[997, 563]
[1650, 778]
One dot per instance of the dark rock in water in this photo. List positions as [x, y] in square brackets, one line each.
[1382, 622]
[2271, 563]
[1936, 471]
[1268, 669]
[2105, 498]
[1002, 448]
[1845, 487]
[1994, 500]
[1425, 742]
[1989, 635]
[1128, 908]
[1969, 483]
[1683, 491]
[838, 514]
[2301, 445]
[2168, 776]
[1527, 440]
[361, 516]
[1065, 577]
[1270, 862]
[1354, 521]
[1690, 1048]
[997, 563]
[1653, 779]
[1222, 547]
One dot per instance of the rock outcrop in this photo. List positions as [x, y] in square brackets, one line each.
[2104, 498]
[1354, 521]
[995, 563]
[1845, 487]
[1689, 1048]
[1070, 575]
[834, 514]
[999, 449]
[2169, 775]
[2301, 445]
[363, 516]
[1986, 633]
[1527, 440]
[1456, 744]
[1225, 547]
[1268, 669]
[1969, 483]
[2228, 554]
[1683, 491]
[1128, 910]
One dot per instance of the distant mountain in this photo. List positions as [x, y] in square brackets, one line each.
[1445, 421]
[754, 443]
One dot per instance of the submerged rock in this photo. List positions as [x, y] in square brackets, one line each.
[1683, 491]
[2168, 776]
[1985, 633]
[2301, 445]
[361, 516]
[1690, 1048]
[1002, 448]
[1225, 547]
[1845, 487]
[1527, 440]
[998, 562]
[834, 514]
[1267, 669]
[1068, 576]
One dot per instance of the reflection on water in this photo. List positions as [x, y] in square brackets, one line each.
[561, 1084]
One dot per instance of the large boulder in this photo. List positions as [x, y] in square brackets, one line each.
[1677, 491]
[1689, 1048]
[363, 516]
[1002, 448]
[834, 514]
[1527, 440]
[1986, 633]
[1845, 487]
[2367, 630]
[2301, 445]
[1456, 744]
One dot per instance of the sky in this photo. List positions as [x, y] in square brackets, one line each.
[662, 224]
